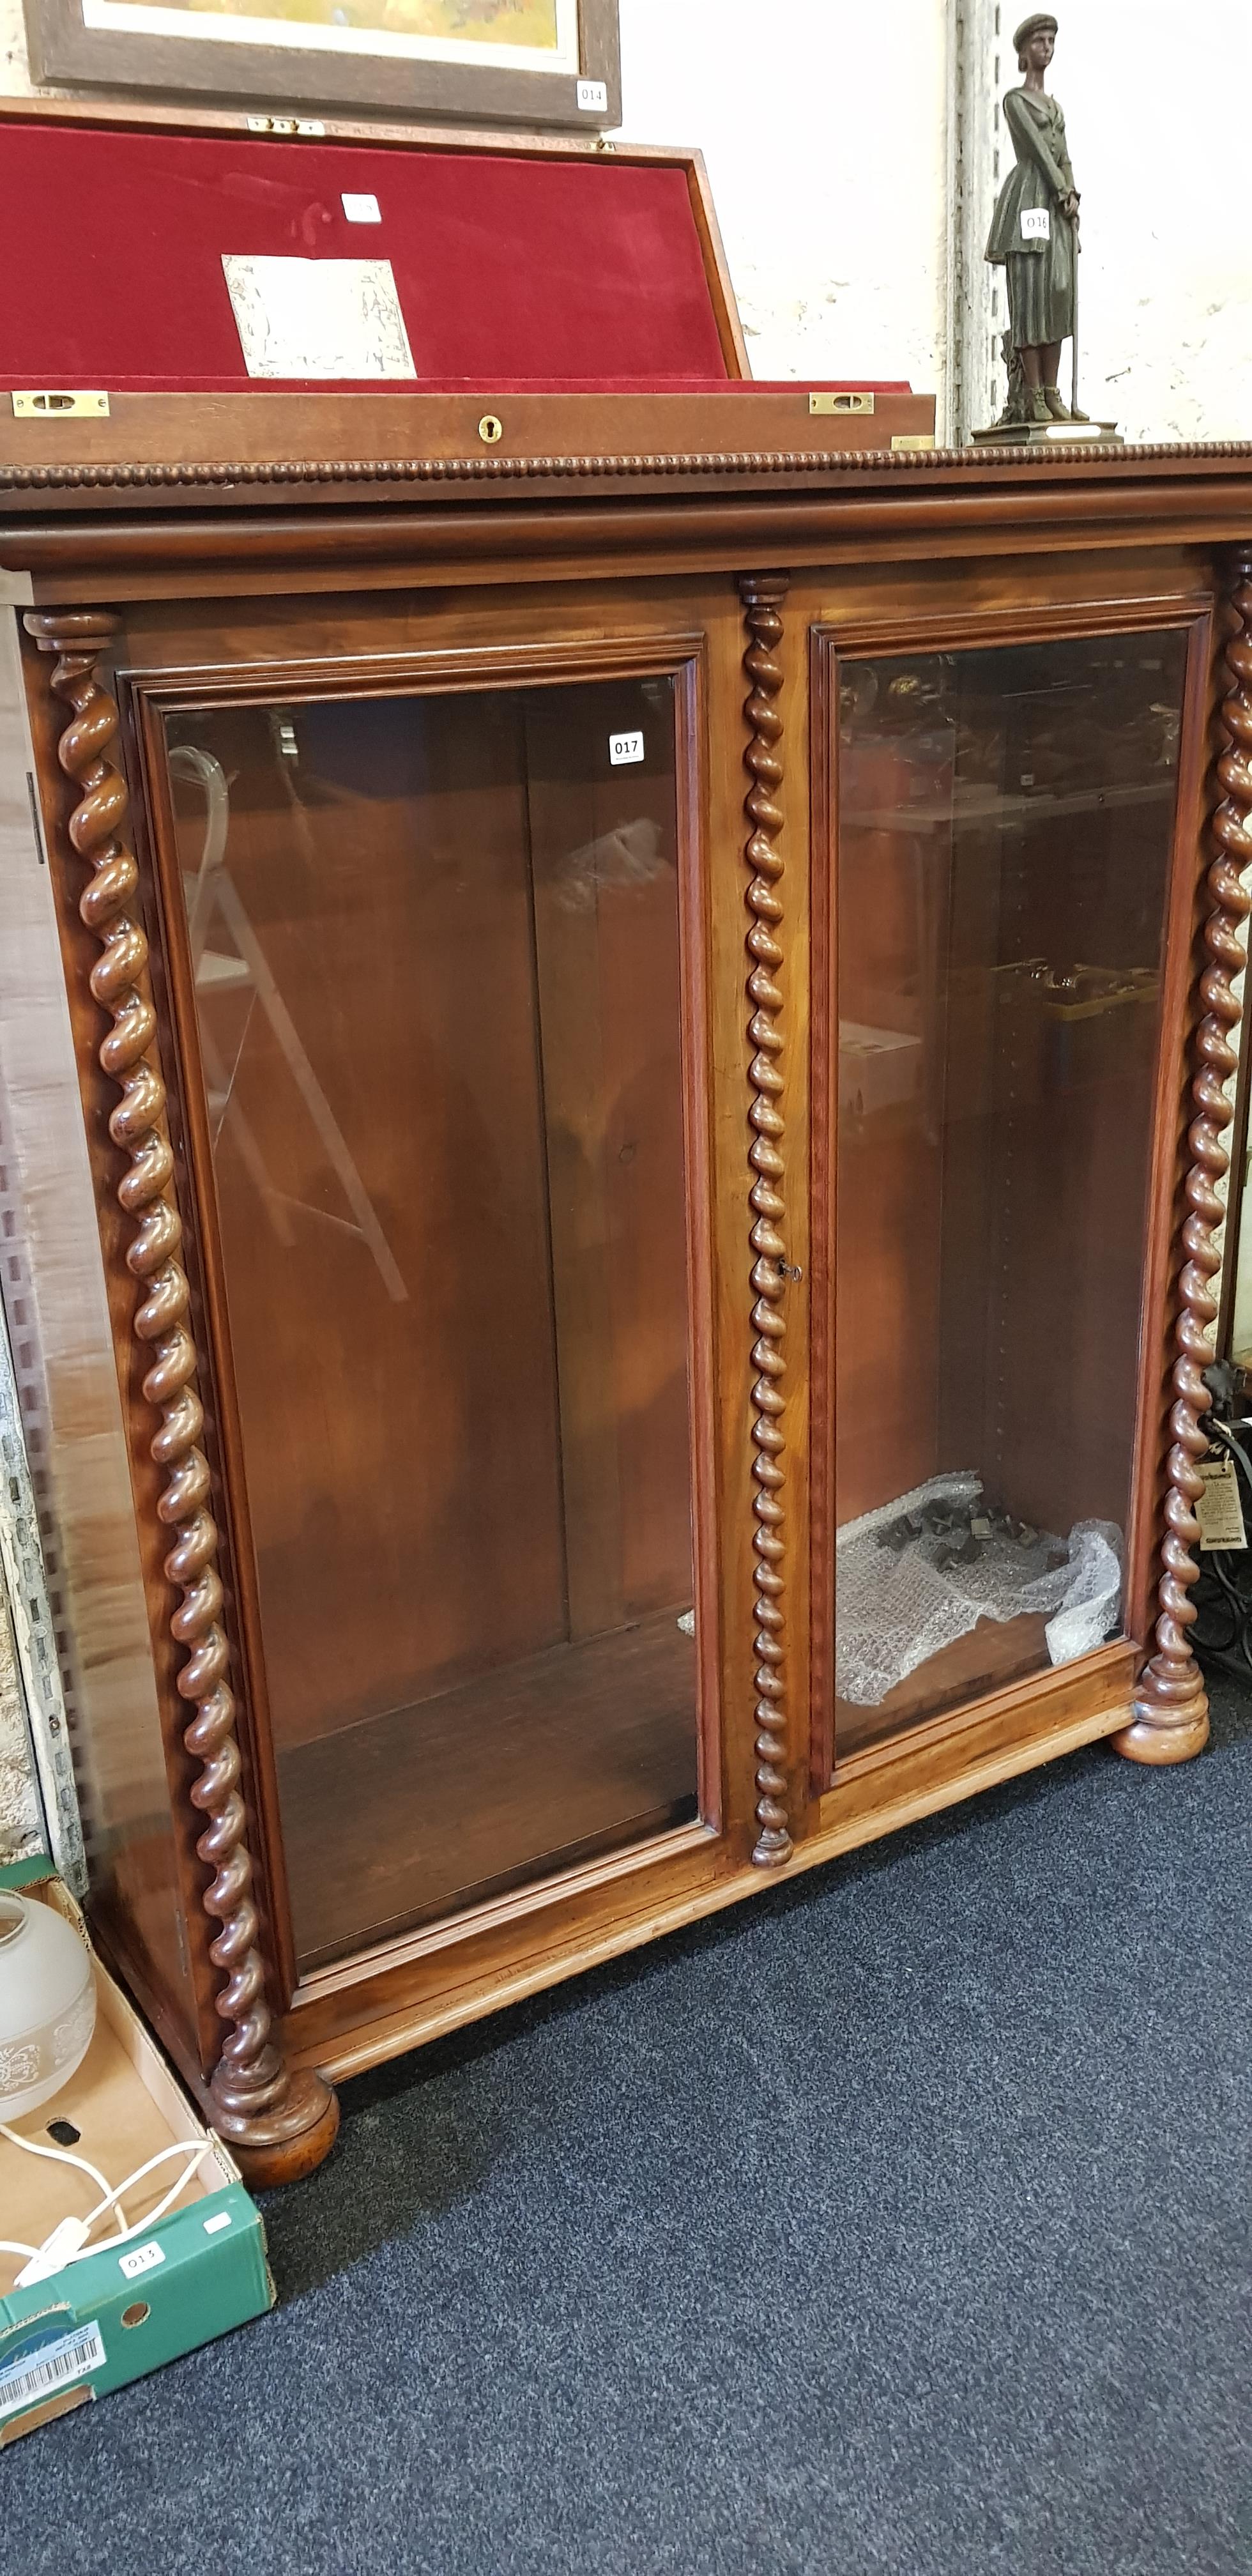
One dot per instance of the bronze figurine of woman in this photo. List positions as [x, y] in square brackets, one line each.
[1034, 232]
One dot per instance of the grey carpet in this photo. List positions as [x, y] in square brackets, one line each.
[893, 2222]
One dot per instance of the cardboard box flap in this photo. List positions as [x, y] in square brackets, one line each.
[126, 2307]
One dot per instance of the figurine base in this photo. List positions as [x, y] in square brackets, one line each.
[1049, 433]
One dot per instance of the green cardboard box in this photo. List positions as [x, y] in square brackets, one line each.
[120, 2311]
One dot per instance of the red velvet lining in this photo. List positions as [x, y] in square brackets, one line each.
[506, 269]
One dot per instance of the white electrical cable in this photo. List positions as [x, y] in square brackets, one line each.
[194, 2148]
[59, 2156]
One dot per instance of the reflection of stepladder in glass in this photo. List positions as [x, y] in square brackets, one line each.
[211, 890]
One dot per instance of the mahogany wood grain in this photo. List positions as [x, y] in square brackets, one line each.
[1171, 1721]
[58, 1311]
[346, 1623]
[260, 2106]
[878, 517]
[522, 1771]
[1200, 742]
[189, 1118]
[718, 787]
[379, 1582]
[1097, 1239]
[608, 975]
[717, 269]
[1199, 490]
[338, 586]
[763, 596]
[894, 1176]
[190, 117]
[431, 438]
[1061, 1118]
[613, 1907]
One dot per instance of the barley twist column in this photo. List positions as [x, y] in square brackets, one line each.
[762, 595]
[280, 2122]
[1171, 1720]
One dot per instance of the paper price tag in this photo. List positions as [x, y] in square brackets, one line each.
[1036, 223]
[144, 2259]
[318, 317]
[593, 97]
[1219, 1510]
[624, 747]
[361, 210]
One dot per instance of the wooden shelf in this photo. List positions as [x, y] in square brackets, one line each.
[994, 1654]
[973, 805]
[519, 1772]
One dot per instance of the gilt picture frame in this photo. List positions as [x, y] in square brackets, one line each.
[523, 63]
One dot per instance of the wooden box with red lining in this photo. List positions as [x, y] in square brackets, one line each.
[567, 305]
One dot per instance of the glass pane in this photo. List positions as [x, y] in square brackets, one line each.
[1005, 823]
[435, 945]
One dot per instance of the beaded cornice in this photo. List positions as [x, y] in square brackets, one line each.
[523, 469]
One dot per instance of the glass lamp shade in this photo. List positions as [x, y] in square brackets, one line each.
[47, 2004]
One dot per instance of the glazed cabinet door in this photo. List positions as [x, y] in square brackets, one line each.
[428, 958]
[1010, 839]
[412, 1239]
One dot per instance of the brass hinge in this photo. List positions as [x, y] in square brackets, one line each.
[60, 406]
[857, 402]
[284, 124]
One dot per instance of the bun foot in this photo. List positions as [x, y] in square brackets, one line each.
[286, 2142]
[1160, 1738]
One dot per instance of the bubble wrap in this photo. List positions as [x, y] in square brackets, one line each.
[19, 1806]
[894, 1611]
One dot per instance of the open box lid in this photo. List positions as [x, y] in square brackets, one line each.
[515, 262]
[567, 308]
[127, 2304]
[536, 263]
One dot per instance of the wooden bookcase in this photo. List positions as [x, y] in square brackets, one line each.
[572, 1025]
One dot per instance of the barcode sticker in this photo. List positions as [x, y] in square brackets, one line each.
[55, 2365]
[1218, 1509]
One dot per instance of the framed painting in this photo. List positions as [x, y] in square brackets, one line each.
[487, 62]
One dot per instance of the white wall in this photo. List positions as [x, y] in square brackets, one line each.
[1166, 276]
[1153, 92]
[15, 80]
[823, 125]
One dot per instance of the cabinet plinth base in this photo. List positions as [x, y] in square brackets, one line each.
[284, 2144]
